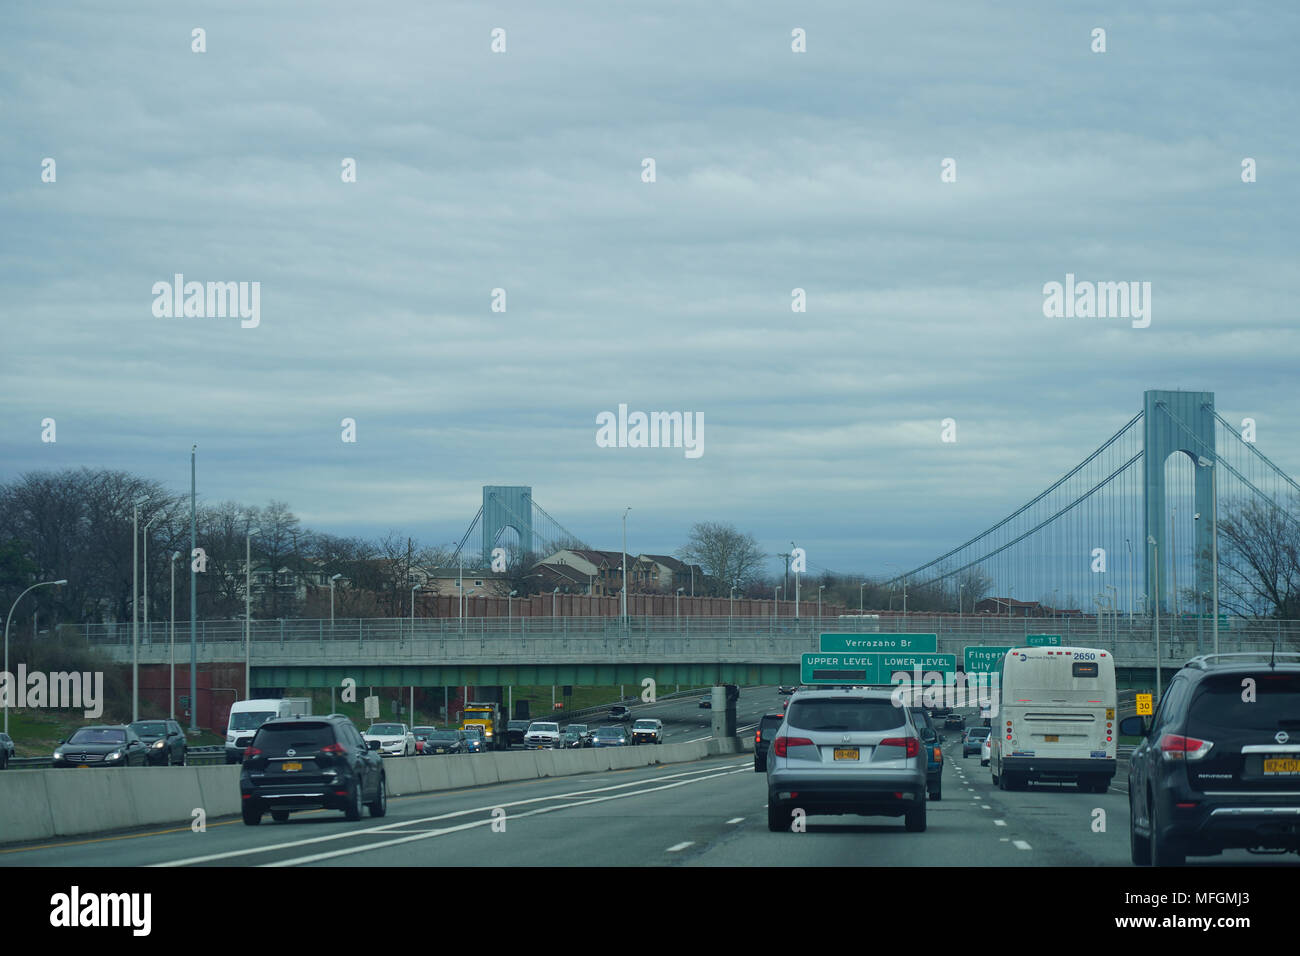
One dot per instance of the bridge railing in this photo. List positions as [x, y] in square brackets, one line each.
[490, 649]
[951, 629]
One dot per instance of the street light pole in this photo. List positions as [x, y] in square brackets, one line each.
[332, 580]
[1204, 462]
[796, 585]
[9, 686]
[145, 568]
[678, 612]
[510, 609]
[135, 609]
[820, 589]
[1129, 544]
[194, 609]
[248, 611]
[553, 594]
[172, 708]
[861, 605]
[624, 590]
[1156, 604]
[776, 590]
[414, 588]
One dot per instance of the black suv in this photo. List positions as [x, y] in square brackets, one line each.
[305, 763]
[619, 712]
[1219, 766]
[768, 725]
[515, 731]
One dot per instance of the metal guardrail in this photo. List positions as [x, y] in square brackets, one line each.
[194, 756]
[561, 715]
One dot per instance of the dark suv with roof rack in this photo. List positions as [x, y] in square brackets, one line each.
[305, 763]
[1219, 766]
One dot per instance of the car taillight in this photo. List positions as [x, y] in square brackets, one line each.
[911, 744]
[781, 744]
[251, 752]
[1178, 747]
[936, 754]
[336, 749]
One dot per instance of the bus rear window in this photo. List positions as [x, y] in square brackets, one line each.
[1084, 669]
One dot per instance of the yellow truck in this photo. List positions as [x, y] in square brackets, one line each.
[491, 718]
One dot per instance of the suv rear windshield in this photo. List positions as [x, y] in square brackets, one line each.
[278, 738]
[844, 713]
[1218, 704]
[979, 732]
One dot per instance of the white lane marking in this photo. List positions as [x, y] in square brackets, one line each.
[1004, 840]
[735, 819]
[1021, 845]
[350, 851]
[985, 807]
[677, 847]
[385, 827]
[1002, 823]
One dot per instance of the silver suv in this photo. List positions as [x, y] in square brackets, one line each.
[846, 751]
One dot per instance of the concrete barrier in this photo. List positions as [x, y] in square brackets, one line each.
[433, 772]
[219, 788]
[40, 804]
[88, 801]
[24, 805]
[167, 794]
[485, 768]
[402, 775]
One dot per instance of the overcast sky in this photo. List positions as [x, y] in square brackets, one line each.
[522, 170]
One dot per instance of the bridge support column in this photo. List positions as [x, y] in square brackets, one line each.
[1176, 422]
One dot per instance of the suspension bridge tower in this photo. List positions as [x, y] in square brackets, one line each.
[1176, 423]
[507, 506]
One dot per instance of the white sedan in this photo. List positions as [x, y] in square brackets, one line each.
[395, 740]
[986, 750]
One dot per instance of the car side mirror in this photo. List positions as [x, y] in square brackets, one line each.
[372, 744]
[1133, 726]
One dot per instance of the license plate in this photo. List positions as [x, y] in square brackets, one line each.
[288, 766]
[1052, 738]
[83, 766]
[1285, 765]
[846, 753]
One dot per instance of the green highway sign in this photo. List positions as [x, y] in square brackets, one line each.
[984, 659]
[1042, 640]
[870, 643]
[847, 668]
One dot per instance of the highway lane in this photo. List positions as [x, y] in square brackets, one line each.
[706, 813]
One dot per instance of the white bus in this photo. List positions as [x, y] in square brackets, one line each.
[1056, 718]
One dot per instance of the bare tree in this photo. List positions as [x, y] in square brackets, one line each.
[727, 556]
[1259, 559]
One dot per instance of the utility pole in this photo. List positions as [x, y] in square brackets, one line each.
[194, 586]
